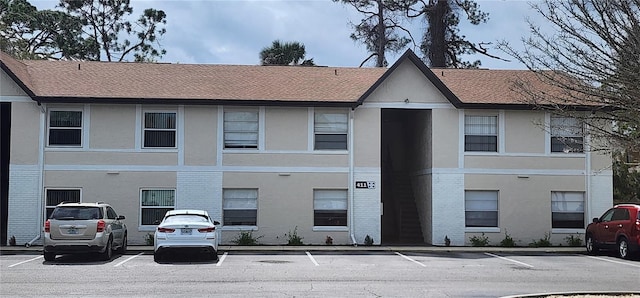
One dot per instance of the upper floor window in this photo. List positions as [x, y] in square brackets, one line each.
[159, 130]
[481, 133]
[240, 207]
[567, 209]
[566, 135]
[330, 131]
[481, 208]
[154, 203]
[57, 196]
[241, 129]
[65, 128]
[329, 207]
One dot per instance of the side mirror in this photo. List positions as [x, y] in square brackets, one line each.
[121, 217]
[596, 220]
[215, 222]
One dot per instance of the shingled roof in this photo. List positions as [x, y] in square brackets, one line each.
[118, 82]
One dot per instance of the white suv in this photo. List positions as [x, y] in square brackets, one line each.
[82, 228]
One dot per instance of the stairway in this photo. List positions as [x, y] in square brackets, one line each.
[410, 231]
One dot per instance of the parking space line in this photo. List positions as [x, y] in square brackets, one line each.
[507, 259]
[221, 259]
[613, 261]
[410, 259]
[20, 263]
[312, 259]
[128, 259]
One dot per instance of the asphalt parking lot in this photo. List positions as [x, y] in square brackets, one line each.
[320, 273]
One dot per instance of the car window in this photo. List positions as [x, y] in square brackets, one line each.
[76, 213]
[111, 214]
[183, 218]
[607, 216]
[620, 214]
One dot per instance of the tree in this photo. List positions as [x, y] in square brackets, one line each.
[442, 44]
[626, 180]
[287, 53]
[596, 44]
[105, 23]
[378, 30]
[27, 33]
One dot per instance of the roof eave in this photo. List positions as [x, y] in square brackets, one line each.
[191, 101]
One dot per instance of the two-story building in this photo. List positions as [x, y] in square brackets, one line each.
[406, 154]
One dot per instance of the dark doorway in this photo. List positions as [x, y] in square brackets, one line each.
[5, 139]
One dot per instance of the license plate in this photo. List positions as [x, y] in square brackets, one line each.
[185, 231]
[72, 231]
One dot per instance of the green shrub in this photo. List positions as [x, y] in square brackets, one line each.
[508, 240]
[542, 242]
[368, 241]
[574, 241]
[328, 240]
[148, 239]
[293, 238]
[479, 241]
[447, 241]
[246, 238]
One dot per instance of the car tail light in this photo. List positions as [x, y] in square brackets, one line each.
[101, 226]
[166, 230]
[207, 230]
[47, 226]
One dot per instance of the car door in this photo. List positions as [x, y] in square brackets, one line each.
[619, 222]
[116, 225]
[602, 232]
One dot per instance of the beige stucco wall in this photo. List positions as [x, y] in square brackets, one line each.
[25, 133]
[407, 82]
[200, 135]
[367, 137]
[112, 126]
[445, 138]
[524, 132]
[285, 160]
[111, 158]
[8, 87]
[286, 128]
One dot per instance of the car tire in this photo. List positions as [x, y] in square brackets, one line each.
[49, 256]
[123, 248]
[592, 249]
[157, 257]
[623, 248]
[108, 251]
[214, 256]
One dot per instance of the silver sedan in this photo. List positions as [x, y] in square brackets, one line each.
[186, 231]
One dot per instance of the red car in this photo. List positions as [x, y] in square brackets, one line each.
[618, 228]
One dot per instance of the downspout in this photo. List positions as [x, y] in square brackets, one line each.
[42, 133]
[588, 173]
[351, 179]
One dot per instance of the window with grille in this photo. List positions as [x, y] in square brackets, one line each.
[159, 130]
[481, 133]
[330, 131]
[240, 207]
[329, 207]
[154, 203]
[241, 129]
[567, 209]
[57, 196]
[65, 128]
[566, 135]
[481, 208]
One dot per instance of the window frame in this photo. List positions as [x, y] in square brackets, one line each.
[333, 130]
[81, 128]
[343, 221]
[225, 131]
[574, 138]
[486, 210]
[145, 129]
[225, 191]
[468, 135]
[583, 212]
[49, 208]
[146, 207]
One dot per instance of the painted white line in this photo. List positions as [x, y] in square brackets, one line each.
[128, 259]
[224, 256]
[510, 260]
[613, 261]
[410, 259]
[312, 259]
[16, 264]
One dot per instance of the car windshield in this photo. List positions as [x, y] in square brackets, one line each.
[185, 218]
[76, 213]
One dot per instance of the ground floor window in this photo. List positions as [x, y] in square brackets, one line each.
[240, 207]
[329, 207]
[567, 210]
[481, 208]
[154, 203]
[57, 196]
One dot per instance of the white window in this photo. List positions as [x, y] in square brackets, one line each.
[330, 130]
[481, 208]
[57, 196]
[65, 128]
[567, 210]
[566, 135]
[241, 129]
[240, 207]
[330, 207]
[154, 203]
[481, 133]
[159, 130]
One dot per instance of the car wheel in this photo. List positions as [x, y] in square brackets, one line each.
[214, 255]
[108, 251]
[157, 257]
[49, 256]
[623, 248]
[591, 246]
[123, 247]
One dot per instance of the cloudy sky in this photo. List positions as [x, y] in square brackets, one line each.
[234, 31]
